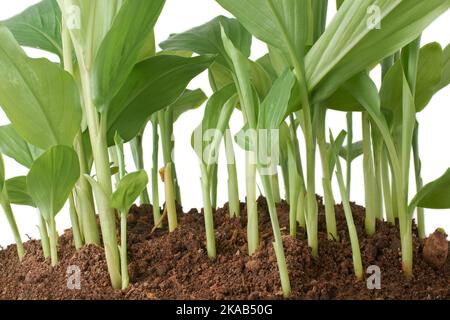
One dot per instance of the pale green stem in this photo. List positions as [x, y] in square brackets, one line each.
[75, 226]
[369, 176]
[170, 198]
[349, 152]
[278, 243]
[419, 182]
[53, 236]
[12, 224]
[213, 186]
[252, 209]
[208, 214]
[155, 174]
[276, 188]
[44, 236]
[138, 157]
[233, 186]
[123, 249]
[97, 132]
[294, 190]
[387, 193]
[356, 251]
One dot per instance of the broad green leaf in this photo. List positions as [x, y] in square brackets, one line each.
[121, 47]
[38, 27]
[206, 39]
[342, 100]
[129, 189]
[282, 24]
[260, 79]
[435, 194]
[13, 146]
[274, 108]
[191, 99]
[88, 23]
[40, 99]
[445, 80]
[17, 191]
[350, 44]
[153, 85]
[218, 111]
[266, 63]
[2, 173]
[429, 75]
[219, 76]
[51, 179]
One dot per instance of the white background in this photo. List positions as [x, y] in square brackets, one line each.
[180, 15]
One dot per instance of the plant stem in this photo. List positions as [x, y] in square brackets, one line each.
[155, 174]
[84, 196]
[208, 214]
[123, 249]
[370, 220]
[294, 190]
[387, 195]
[285, 173]
[234, 205]
[75, 225]
[44, 236]
[213, 186]
[419, 181]
[252, 210]
[330, 215]
[138, 157]
[97, 132]
[356, 251]
[12, 224]
[53, 236]
[278, 243]
[349, 159]
[170, 198]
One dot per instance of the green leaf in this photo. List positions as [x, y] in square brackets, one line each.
[445, 81]
[40, 99]
[348, 46]
[191, 99]
[282, 24]
[129, 189]
[38, 27]
[342, 100]
[13, 146]
[153, 85]
[51, 179]
[16, 189]
[274, 108]
[121, 47]
[434, 195]
[88, 23]
[429, 75]
[206, 39]
[357, 150]
[219, 76]
[217, 115]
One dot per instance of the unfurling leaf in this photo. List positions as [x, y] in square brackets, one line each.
[129, 189]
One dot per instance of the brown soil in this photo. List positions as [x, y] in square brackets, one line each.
[175, 266]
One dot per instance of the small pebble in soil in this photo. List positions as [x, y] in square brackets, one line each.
[435, 250]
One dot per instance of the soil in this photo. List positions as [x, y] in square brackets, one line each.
[175, 266]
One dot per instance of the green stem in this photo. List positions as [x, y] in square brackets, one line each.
[369, 176]
[356, 251]
[123, 249]
[301, 205]
[138, 157]
[12, 224]
[419, 181]
[97, 132]
[213, 186]
[252, 210]
[45, 241]
[85, 200]
[349, 152]
[155, 173]
[378, 196]
[294, 182]
[387, 195]
[208, 214]
[278, 243]
[170, 198]
[234, 205]
[330, 215]
[53, 236]
[285, 173]
[276, 188]
[75, 225]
